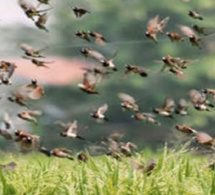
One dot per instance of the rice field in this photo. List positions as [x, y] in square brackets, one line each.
[176, 172]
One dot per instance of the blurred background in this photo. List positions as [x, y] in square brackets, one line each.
[123, 23]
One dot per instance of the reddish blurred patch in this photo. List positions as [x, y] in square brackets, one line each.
[61, 72]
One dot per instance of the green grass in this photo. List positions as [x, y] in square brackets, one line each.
[177, 172]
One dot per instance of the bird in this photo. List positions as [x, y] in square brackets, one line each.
[205, 140]
[82, 157]
[209, 91]
[128, 102]
[154, 26]
[182, 107]
[186, 129]
[99, 38]
[71, 131]
[83, 35]
[79, 11]
[146, 117]
[30, 10]
[136, 70]
[37, 62]
[200, 100]
[173, 36]
[41, 21]
[29, 51]
[57, 152]
[126, 148]
[11, 166]
[195, 15]
[30, 115]
[167, 109]
[7, 67]
[194, 39]
[99, 113]
[46, 2]
[199, 29]
[89, 52]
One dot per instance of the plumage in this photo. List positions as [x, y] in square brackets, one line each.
[100, 112]
[128, 102]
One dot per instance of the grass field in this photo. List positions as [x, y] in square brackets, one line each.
[177, 172]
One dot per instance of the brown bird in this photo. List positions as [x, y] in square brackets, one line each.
[32, 91]
[200, 100]
[154, 26]
[30, 10]
[62, 153]
[194, 39]
[99, 113]
[146, 117]
[29, 51]
[186, 129]
[6, 134]
[6, 127]
[97, 70]
[30, 115]
[41, 21]
[57, 152]
[90, 81]
[200, 30]
[71, 130]
[205, 140]
[167, 109]
[83, 35]
[8, 167]
[7, 67]
[182, 107]
[99, 38]
[195, 15]
[88, 52]
[136, 70]
[82, 157]
[209, 91]
[79, 11]
[128, 102]
[38, 63]
[126, 148]
[173, 36]
[177, 71]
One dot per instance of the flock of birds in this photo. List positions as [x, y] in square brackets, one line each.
[202, 100]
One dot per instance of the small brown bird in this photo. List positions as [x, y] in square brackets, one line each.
[154, 26]
[200, 100]
[6, 127]
[146, 117]
[30, 10]
[71, 131]
[99, 113]
[209, 91]
[30, 115]
[173, 36]
[29, 51]
[128, 102]
[97, 70]
[90, 81]
[41, 21]
[88, 52]
[199, 29]
[11, 166]
[186, 129]
[167, 109]
[83, 35]
[7, 67]
[136, 70]
[57, 152]
[194, 39]
[205, 140]
[79, 11]
[82, 157]
[177, 71]
[126, 148]
[195, 15]
[182, 107]
[108, 63]
[62, 153]
[99, 38]
[6, 134]
[38, 63]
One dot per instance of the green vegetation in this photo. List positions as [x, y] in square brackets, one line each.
[177, 172]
